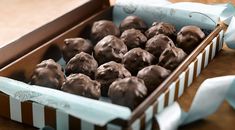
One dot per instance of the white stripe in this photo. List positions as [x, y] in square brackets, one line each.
[148, 125]
[190, 74]
[15, 109]
[113, 127]
[221, 39]
[171, 93]
[62, 120]
[199, 63]
[148, 114]
[181, 84]
[214, 47]
[38, 115]
[207, 49]
[86, 125]
[161, 100]
[136, 125]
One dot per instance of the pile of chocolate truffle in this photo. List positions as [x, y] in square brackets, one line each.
[125, 64]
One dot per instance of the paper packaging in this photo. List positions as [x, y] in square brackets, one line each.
[38, 115]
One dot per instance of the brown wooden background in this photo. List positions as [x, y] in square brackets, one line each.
[223, 64]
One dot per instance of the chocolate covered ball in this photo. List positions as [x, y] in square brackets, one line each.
[133, 22]
[109, 72]
[129, 92]
[153, 76]
[161, 28]
[157, 44]
[133, 38]
[103, 28]
[136, 59]
[73, 46]
[48, 74]
[82, 63]
[171, 58]
[110, 48]
[82, 85]
[189, 37]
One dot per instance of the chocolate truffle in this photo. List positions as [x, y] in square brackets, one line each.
[110, 48]
[161, 28]
[157, 44]
[82, 63]
[109, 72]
[153, 76]
[189, 37]
[48, 74]
[73, 46]
[133, 22]
[82, 85]
[171, 58]
[103, 28]
[133, 38]
[129, 92]
[136, 59]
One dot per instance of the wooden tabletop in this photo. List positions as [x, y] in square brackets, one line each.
[21, 17]
[223, 64]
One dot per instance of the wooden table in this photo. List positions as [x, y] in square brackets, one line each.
[224, 118]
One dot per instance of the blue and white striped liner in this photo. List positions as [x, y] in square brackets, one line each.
[64, 121]
[38, 115]
[15, 110]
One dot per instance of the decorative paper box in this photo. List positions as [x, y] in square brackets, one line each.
[142, 117]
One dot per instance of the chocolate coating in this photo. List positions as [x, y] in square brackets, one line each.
[157, 44]
[136, 59]
[129, 92]
[82, 85]
[103, 28]
[161, 28]
[73, 46]
[153, 76]
[82, 63]
[109, 72]
[133, 38]
[110, 48]
[48, 74]
[189, 37]
[133, 22]
[171, 58]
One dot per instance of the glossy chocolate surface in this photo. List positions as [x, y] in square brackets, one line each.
[129, 92]
[73, 46]
[157, 44]
[103, 28]
[133, 22]
[171, 58]
[110, 48]
[153, 76]
[189, 37]
[82, 85]
[82, 63]
[109, 72]
[48, 74]
[161, 28]
[136, 59]
[133, 38]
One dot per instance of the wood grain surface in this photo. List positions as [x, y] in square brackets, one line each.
[19, 17]
[223, 64]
